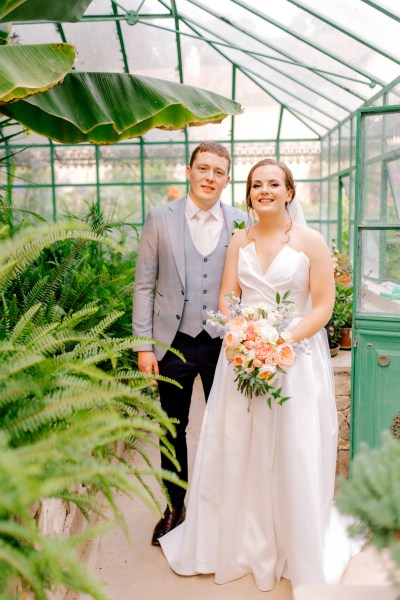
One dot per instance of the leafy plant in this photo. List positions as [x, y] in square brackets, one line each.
[372, 495]
[342, 314]
[66, 396]
[38, 89]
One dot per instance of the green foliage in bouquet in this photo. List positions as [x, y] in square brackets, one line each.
[68, 394]
[372, 495]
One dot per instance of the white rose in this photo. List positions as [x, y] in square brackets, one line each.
[287, 336]
[269, 334]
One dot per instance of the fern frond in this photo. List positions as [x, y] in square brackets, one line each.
[23, 322]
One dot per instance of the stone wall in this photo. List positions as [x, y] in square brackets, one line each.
[342, 372]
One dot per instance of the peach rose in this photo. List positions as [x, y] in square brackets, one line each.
[250, 333]
[257, 363]
[238, 324]
[231, 339]
[238, 361]
[248, 344]
[267, 372]
[285, 354]
[262, 350]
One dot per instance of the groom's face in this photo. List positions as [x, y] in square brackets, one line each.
[208, 176]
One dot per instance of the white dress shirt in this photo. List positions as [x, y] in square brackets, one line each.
[205, 226]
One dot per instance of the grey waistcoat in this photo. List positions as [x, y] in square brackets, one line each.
[203, 276]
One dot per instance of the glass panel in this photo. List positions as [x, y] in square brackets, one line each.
[32, 165]
[203, 67]
[303, 158]
[240, 195]
[362, 20]
[333, 209]
[324, 199]
[345, 203]
[97, 45]
[119, 163]
[74, 164]
[325, 156]
[261, 116]
[373, 135]
[159, 194]
[345, 145]
[353, 141]
[37, 199]
[164, 163]
[380, 272]
[334, 148]
[151, 51]
[36, 34]
[394, 95]
[308, 194]
[292, 127]
[99, 7]
[122, 203]
[75, 200]
[381, 193]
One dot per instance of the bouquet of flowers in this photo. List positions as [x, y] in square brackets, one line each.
[258, 341]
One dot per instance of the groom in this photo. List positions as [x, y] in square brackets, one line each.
[178, 277]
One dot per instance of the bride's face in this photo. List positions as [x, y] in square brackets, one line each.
[269, 193]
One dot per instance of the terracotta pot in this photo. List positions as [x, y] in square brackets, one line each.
[345, 338]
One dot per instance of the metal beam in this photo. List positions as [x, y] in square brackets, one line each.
[369, 76]
[338, 27]
[382, 9]
[279, 50]
[257, 57]
[120, 37]
[258, 84]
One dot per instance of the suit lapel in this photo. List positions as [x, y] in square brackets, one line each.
[176, 234]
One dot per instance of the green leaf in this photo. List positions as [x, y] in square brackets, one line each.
[43, 10]
[27, 70]
[278, 298]
[117, 106]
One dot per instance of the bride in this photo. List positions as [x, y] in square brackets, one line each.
[261, 494]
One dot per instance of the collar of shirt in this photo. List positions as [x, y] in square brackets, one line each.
[191, 209]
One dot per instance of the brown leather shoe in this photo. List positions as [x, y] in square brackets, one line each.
[170, 520]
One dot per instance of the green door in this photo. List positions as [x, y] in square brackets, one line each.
[376, 325]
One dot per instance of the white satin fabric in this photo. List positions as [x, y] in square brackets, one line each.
[261, 494]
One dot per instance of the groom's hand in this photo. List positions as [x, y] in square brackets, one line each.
[147, 362]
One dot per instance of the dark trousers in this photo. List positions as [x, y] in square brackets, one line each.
[201, 355]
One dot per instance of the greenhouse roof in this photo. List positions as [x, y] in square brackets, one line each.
[303, 66]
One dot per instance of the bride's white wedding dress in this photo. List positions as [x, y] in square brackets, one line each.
[261, 493]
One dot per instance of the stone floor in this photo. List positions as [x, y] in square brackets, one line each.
[134, 570]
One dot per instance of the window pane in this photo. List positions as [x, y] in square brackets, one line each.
[380, 272]
[37, 199]
[76, 200]
[74, 164]
[119, 163]
[32, 165]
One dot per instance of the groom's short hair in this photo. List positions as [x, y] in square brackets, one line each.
[212, 147]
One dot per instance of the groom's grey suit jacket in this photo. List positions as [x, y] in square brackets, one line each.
[159, 293]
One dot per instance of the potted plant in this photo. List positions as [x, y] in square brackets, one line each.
[339, 326]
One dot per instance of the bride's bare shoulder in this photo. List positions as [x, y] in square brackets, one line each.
[242, 238]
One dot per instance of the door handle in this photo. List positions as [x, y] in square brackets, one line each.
[384, 360]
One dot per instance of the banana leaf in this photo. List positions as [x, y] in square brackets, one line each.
[104, 108]
[4, 33]
[27, 70]
[68, 11]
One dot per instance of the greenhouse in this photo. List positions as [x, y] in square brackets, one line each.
[102, 104]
